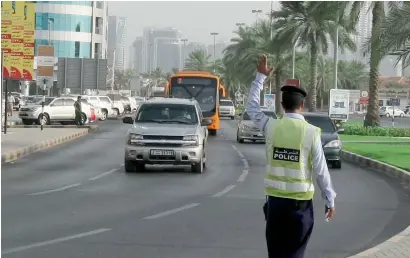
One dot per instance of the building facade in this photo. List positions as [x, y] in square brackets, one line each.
[116, 42]
[77, 29]
[162, 48]
[137, 56]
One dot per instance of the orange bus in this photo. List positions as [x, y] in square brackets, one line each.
[205, 87]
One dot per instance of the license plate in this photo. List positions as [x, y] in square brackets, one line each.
[23, 114]
[162, 153]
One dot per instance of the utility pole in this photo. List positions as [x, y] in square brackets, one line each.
[183, 53]
[5, 95]
[214, 34]
[271, 37]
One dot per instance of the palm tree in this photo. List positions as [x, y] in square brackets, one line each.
[311, 24]
[396, 33]
[198, 60]
[377, 9]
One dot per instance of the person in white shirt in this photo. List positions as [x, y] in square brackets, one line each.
[10, 104]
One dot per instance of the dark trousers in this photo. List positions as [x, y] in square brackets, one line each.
[289, 225]
[78, 118]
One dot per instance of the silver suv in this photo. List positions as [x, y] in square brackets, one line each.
[166, 131]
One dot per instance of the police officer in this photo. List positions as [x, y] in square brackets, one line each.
[294, 155]
[77, 107]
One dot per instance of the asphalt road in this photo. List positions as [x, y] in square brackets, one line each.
[76, 201]
[399, 122]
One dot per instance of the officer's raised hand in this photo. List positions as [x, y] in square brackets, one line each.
[263, 66]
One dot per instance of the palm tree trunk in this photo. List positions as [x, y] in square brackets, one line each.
[313, 78]
[278, 95]
[372, 116]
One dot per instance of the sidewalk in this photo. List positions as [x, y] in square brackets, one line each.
[19, 142]
[396, 247]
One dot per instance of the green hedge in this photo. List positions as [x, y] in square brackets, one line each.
[376, 131]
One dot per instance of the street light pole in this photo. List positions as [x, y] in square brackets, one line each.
[214, 34]
[336, 52]
[183, 53]
[257, 12]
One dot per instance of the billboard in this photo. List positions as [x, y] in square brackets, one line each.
[17, 43]
[17, 27]
[6, 11]
[27, 64]
[269, 100]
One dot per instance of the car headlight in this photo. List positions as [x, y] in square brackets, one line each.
[245, 127]
[33, 109]
[135, 139]
[192, 140]
[333, 144]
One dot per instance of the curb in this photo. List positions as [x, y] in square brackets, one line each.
[25, 151]
[89, 127]
[391, 171]
[388, 244]
[115, 117]
[378, 166]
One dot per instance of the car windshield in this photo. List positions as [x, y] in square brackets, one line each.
[268, 113]
[201, 89]
[47, 102]
[167, 113]
[323, 122]
[225, 103]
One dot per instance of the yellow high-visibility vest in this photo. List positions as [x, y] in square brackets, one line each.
[289, 172]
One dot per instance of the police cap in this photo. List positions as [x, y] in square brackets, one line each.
[293, 90]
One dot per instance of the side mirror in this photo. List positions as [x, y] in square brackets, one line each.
[127, 120]
[341, 130]
[206, 122]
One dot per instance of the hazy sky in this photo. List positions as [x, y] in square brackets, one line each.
[196, 19]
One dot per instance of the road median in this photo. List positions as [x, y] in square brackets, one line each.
[23, 141]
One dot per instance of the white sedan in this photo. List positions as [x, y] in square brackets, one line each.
[389, 111]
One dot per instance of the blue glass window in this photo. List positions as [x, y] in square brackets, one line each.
[83, 3]
[67, 48]
[64, 22]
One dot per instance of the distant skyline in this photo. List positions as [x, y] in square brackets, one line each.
[195, 19]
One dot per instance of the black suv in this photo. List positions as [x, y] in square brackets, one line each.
[331, 143]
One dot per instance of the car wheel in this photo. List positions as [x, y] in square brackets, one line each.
[43, 119]
[212, 132]
[204, 161]
[239, 139]
[83, 118]
[130, 166]
[103, 115]
[198, 168]
[337, 164]
[387, 115]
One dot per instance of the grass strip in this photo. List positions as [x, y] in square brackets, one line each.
[396, 155]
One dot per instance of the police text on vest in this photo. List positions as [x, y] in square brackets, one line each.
[286, 154]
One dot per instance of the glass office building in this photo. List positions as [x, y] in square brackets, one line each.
[76, 29]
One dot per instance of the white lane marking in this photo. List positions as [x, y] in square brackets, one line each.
[103, 174]
[245, 163]
[122, 164]
[233, 146]
[243, 175]
[169, 212]
[55, 190]
[54, 241]
[224, 191]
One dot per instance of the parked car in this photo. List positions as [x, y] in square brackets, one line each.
[55, 110]
[107, 106]
[406, 110]
[332, 146]
[118, 103]
[247, 130]
[389, 111]
[95, 112]
[167, 131]
[226, 108]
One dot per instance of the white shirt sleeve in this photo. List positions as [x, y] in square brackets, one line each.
[253, 107]
[323, 179]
